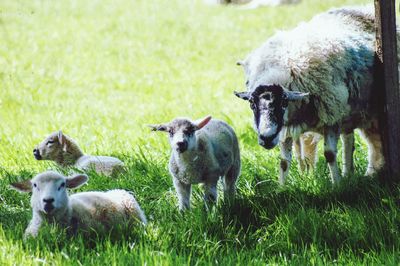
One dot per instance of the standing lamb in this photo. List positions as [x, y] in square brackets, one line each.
[202, 152]
[321, 79]
[84, 211]
[65, 152]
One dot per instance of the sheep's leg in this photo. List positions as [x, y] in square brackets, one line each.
[348, 149]
[230, 182]
[331, 137]
[184, 191]
[375, 149]
[286, 159]
[210, 191]
[34, 225]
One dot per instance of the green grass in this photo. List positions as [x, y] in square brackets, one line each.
[102, 70]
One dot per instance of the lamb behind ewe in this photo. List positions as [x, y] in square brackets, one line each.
[317, 77]
[99, 211]
[65, 152]
[202, 152]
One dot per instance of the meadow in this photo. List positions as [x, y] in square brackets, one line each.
[102, 70]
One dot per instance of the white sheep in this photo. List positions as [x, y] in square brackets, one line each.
[65, 152]
[317, 77]
[84, 211]
[202, 152]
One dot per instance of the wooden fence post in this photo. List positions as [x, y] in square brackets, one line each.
[385, 15]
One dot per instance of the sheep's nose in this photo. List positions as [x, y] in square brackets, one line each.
[182, 146]
[48, 200]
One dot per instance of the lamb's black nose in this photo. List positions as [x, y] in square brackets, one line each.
[48, 200]
[182, 146]
[36, 153]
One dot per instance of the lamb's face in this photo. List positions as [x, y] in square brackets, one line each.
[49, 194]
[269, 104]
[181, 131]
[49, 149]
[182, 135]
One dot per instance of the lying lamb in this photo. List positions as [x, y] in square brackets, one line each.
[64, 151]
[202, 152]
[83, 211]
[318, 79]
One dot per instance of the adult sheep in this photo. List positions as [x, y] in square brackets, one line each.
[317, 77]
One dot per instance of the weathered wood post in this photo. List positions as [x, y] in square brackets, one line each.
[385, 14]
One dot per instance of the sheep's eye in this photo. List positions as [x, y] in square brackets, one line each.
[252, 105]
[50, 142]
[171, 133]
[267, 97]
[247, 83]
[34, 185]
[61, 186]
[188, 132]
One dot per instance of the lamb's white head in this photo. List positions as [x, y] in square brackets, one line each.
[181, 131]
[52, 147]
[49, 190]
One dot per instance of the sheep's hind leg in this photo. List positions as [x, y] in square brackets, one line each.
[348, 150]
[286, 159]
[184, 191]
[331, 137]
[376, 160]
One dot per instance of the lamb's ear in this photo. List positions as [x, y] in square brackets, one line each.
[203, 122]
[243, 95]
[296, 95]
[61, 138]
[76, 180]
[23, 186]
[160, 127]
[240, 63]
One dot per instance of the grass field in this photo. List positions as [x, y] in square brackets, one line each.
[102, 70]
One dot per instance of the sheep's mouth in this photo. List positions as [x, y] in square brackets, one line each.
[37, 155]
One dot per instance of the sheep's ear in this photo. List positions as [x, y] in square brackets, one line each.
[296, 95]
[23, 186]
[242, 95]
[160, 127]
[76, 180]
[203, 122]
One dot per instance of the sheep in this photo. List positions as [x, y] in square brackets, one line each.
[202, 152]
[318, 79]
[65, 152]
[84, 211]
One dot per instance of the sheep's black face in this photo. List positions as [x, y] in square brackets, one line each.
[268, 104]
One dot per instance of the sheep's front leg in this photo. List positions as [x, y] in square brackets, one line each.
[348, 149]
[286, 159]
[34, 225]
[331, 137]
[184, 191]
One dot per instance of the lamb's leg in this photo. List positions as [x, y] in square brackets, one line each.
[184, 191]
[34, 225]
[348, 149]
[331, 137]
[230, 182]
[309, 146]
[286, 159]
[299, 155]
[210, 191]
[375, 149]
